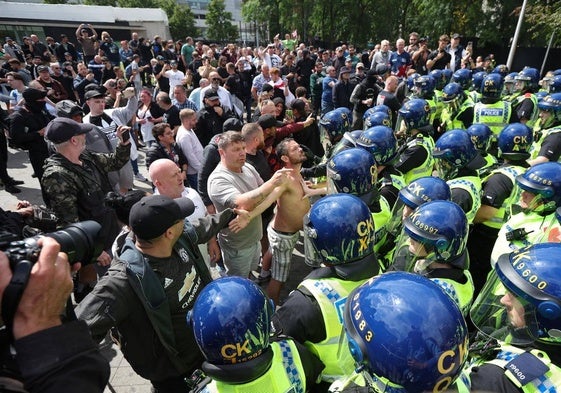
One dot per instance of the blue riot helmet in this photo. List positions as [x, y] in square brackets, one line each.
[335, 123]
[419, 191]
[347, 141]
[521, 300]
[377, 119]
[423, 190]
[501, 69]
[439, 231]
[424, 86]
[411, 80]
[544, 181]
[453, 96]
[453, 151]
[540, 95]
[515, 141]
[339, 228]
[413, 115]
[400, 326]
[509, 82]
[381, 142]
[439, 80]
[352, 171]
[527, 80]
[230, 314]
[555, 85]
[462, 77]
[481, 136]
[477, 80]
[551, 104]
[377, 108]
[492, 87]
[447, 75]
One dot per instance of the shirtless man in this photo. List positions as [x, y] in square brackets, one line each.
[284, 230]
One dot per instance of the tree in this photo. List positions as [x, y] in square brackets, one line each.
[219, 22]
[180, 17]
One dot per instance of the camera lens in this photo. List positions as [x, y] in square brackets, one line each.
[79, 241]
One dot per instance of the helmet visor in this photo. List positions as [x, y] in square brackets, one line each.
[500, 314]
[312, 257]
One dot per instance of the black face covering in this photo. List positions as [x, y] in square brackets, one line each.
[35, 106]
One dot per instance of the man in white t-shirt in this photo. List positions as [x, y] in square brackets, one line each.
[175, 77]
[190, 145]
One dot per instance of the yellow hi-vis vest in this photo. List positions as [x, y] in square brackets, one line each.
[425, 169]
[286, 374]
[471, 184]
[496, 116]
[331, 295]
[503, 212]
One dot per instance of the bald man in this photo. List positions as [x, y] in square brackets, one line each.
[168, 180]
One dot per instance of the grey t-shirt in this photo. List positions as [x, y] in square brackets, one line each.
[223, 188]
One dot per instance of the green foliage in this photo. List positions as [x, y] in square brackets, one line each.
[219, 22]
[180, 17]
[543, 20]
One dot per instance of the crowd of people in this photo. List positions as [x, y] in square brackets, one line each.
[424, 184]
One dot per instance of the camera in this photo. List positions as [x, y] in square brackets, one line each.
[79, 241]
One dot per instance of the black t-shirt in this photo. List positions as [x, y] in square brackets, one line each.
[182, 285]
[171, 116]
[259, 162]
[441, 63]
[525, 109]
[551, 147]
[496, 189]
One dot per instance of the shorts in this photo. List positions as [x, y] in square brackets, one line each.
[240, 262]
[282, 246]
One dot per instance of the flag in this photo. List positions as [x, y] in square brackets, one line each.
[295, 34]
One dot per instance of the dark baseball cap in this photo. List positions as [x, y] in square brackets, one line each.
[62, 129]
[94, 93]
[42, 68]
[456, 36]
[268, 121]
[232, 124]
[211, 94]
[68, 108]
[153, 215]
[30, 94]
[345, 70]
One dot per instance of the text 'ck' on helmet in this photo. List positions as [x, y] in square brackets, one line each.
[515, 141]
[403, 329]
[231, 321]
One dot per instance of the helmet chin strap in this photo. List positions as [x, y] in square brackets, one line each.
[421, 265]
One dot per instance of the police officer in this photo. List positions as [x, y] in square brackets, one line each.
[353, 171]
[457, 162]
[381, 142]
[481, 137]
[378, 115]
[333, 126]
[547, 144]
[457, 111]
[475, 89]
[519, 315]
[415, 156]
[405, 334]
[536, 222]
[424, 87]
[463, 78]
[491, 109]
[418, 192]
[433, 244]
[312, 314]
[231, 321]
[525, 103]
[499, 193]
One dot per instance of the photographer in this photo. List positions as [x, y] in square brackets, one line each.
[420, 57]
[439, 59]
[52, 356]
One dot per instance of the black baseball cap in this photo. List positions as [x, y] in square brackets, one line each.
[94, 93]
[153, 215]
[30, 94]
[68, 108]
[268, 121]
[62, 129]
[211, 94]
